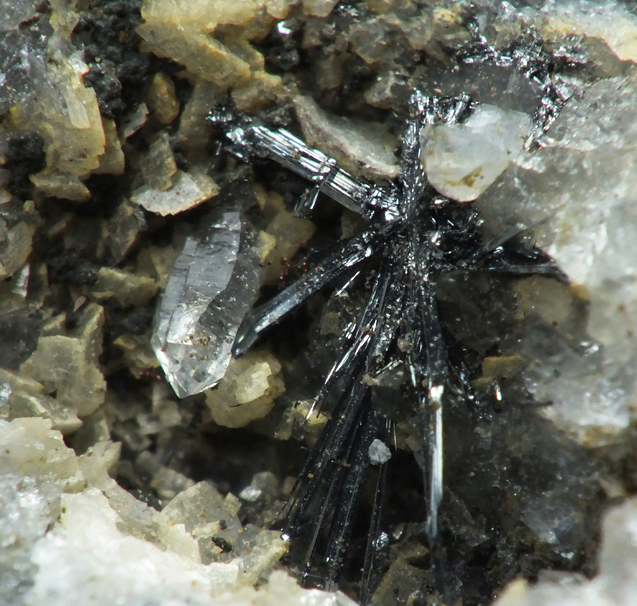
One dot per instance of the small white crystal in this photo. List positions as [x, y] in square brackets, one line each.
[463, 160]
[379, 453]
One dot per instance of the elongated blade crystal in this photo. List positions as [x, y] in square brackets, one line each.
[213, 284]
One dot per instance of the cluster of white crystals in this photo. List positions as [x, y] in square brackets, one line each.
[577, 193]
[214, 282]
[615, 583]
[71, 535]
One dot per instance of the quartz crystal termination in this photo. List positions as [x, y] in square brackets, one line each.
[213, 284]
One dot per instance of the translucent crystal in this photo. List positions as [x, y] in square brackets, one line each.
[214, 282]
[379, 453]
[463, 160]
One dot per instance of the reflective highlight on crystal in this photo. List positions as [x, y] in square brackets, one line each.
[213, 284]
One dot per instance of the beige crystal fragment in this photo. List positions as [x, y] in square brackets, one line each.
[161, 98]
[177, 540]
[256, 93]
[127, 288]
[266, 551]
[290, 233]
[137, 518]
[60, 184]
[95, 429]
[201, 54]
[68, 365]
[365, 150]
[54, 325]
[203, 15]
[193, 129]
[67, 115]
[158, 262]
[279, 9]
[199, 504]
[99, 460]
[123, 229]
[139, 356]
[158, 165]
[134, 120]
[188, 190]
[609, 21]
[24, 397]
[318, 8]
[64, 16]
[199, 509]
[15, 248]
[302, 419]
[248, 390]
[449, 25]
[34, 449]
[235, 40]
[112, 161]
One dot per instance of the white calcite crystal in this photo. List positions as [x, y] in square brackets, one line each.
[462, 160]
[577, 192]
[71, 535]
[615, 583]
[213, 284]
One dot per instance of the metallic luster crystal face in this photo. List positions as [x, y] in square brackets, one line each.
[213, 284]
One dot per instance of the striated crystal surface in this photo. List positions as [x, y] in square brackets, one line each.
[214, 282]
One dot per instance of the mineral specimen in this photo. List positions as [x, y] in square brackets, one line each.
[98, 105]
[212, 286]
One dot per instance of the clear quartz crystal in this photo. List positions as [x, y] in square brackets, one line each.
[213, 284]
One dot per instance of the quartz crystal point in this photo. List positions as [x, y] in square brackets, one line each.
[213, 284]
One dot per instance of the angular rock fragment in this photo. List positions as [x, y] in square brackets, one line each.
[319, 8]
[123, 229]
[134, 120]
[112, 161]
[161, 98]
[214, 282]
[15, 247]
[23, 397]
[68, 365]
[248, 392]
[127, 288]
[187, 190]
[348, 143]
[158, 165]
[30, 448]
